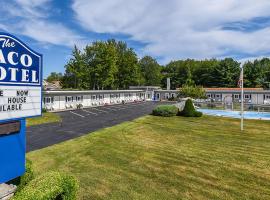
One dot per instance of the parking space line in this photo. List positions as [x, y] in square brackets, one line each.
[76, 114]
[136, 104]
[100, 110]
[89, 112]
[118, 107]
[109, 108]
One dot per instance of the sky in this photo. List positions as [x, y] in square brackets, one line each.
[166, 30]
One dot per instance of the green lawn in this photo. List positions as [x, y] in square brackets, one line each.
[167, 158]
[46, 118]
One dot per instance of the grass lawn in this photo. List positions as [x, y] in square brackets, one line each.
[167, 158]
[46, 118]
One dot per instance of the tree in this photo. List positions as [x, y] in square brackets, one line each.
[54, 76]
[151, 71]
[226, 73]
[192, 91]
[103, 65]
[128, 69]
[74, 74]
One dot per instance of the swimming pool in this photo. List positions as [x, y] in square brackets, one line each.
[236, 114]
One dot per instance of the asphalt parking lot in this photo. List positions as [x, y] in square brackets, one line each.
[76, 123]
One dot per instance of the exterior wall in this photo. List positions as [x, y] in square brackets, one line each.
[72, 101]
[260, 99]
[61, 100]
[254, 98]
[162, 95]
[249, 97]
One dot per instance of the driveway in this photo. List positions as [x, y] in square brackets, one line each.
[76, 123]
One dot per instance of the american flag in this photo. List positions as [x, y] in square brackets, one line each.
[241, 78]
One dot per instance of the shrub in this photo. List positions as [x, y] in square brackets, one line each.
[23, 180]
[44, 110]
[189, 110]
[172, 99]
[50, 186]
[165, 111]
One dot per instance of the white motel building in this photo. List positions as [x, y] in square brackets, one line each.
[56, 100]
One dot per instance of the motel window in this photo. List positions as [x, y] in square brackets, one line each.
[69, 99]
[79, 98]
[237, 96]
[247, 96]
[172, 95]
[267, 96]
[93, 97]
[217, 95]
[48, 99]
[111, 95]
[209, 95]
[148, 96]
[100, 96]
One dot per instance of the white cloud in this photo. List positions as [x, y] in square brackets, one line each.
[51, 33]
[30, 18]
[178, 28]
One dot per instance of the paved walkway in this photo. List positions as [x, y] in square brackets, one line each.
[80, 122]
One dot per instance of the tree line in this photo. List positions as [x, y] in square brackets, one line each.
[113, 65]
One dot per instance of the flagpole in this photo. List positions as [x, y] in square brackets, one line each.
[242, 97]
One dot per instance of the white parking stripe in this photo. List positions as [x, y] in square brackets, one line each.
[135, 104]
[100, 110]
[118, 107]
[109, 108]
[76, 114]
[90, 112]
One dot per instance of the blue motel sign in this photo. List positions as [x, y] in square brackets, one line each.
[20, 98]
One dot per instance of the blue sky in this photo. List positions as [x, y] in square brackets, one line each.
[166, 30]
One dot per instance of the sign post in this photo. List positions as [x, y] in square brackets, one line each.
[241, 82]
[20, 97]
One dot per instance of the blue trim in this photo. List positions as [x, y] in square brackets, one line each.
[33, 52]
[2, 33]
[37, 85]
[12, 149]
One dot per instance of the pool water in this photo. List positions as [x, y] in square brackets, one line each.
[236, 114]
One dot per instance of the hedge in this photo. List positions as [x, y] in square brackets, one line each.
[50, 186]
[165, 110]
[189, 110]
[23, 180]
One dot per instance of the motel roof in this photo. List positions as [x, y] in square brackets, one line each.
[225, 90]
[237, 90]
[63, 92]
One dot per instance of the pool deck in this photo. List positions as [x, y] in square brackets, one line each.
[236, 114]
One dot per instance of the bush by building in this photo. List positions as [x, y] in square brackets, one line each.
[189, 110]
[50, 186]
[23, 180]
[165, 110]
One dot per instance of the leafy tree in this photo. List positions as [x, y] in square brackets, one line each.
[102, 65]
[54, 76]
[195, 92]
[74, 73]
[128, 69]
[226, 74]
[151, 71]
